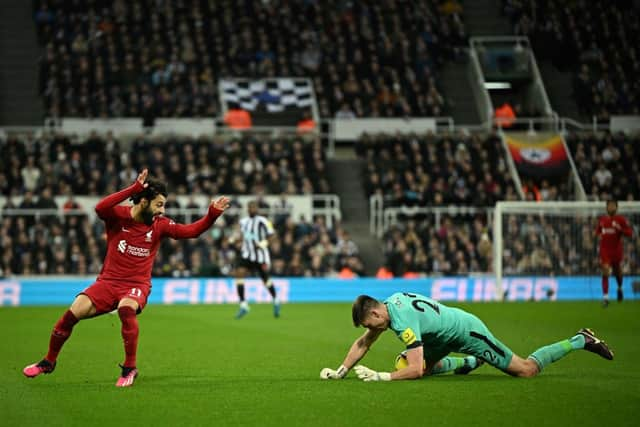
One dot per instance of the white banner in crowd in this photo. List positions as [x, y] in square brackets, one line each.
[129, 126]
[351, 129]
[625, 124]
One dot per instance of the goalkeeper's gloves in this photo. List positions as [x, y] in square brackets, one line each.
[263, 243]
[330, 374]
[367, 374]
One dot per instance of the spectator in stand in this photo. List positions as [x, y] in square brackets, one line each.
[237, 118]
[604, 61]
[332, 44]
[601, 157]
[429, 171]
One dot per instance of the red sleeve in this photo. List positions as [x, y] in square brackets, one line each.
[598, 227]
[104, 208]
[189, 231]
[626, 228]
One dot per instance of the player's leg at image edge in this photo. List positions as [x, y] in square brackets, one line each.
[459, 365]
[244, 305]
[583, 340]
[605, 290]
[276, 302]
[263, 271]
[130, 332]
[61, 332]
[617, 270]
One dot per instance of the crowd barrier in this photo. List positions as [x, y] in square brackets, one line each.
[61, 290]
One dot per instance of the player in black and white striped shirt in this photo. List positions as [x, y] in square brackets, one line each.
[256, 231]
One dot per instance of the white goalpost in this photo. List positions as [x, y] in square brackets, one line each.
[556, 239]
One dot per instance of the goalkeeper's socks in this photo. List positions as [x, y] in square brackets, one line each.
[550, 353]
[448, 364]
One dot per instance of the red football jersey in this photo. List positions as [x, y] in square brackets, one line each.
[610, 236]
[132, 245]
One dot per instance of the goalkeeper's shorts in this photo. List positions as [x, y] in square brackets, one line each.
[479, 341]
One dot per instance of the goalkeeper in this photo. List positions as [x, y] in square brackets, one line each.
[431, 331]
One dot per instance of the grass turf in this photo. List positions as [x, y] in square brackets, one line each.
[198, 366]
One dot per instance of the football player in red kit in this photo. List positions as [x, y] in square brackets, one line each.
[611, 228]
[134, 234]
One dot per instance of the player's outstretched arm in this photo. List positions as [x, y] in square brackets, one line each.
[626, 228]
[413, 371]
[104, 208]
[357, 351]
[189, 231]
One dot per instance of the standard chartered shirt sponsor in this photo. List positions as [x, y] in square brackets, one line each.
[136, 251]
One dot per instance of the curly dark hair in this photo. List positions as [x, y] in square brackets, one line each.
[154, 188]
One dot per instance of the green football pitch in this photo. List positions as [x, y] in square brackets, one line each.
[199, 366]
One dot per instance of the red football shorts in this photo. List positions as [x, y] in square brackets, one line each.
[105, 295]
[611, 257]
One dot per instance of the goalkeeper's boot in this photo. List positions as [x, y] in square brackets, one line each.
[42, 367]
[620, 294]
[595, 344]
[243, 310]
[127, 377]
[469, 365]
[276, 309]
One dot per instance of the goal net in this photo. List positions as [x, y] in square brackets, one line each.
[552, 247]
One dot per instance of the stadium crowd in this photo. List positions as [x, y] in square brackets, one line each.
[436, 170]
[146, 58]
[595, 40]
[608, 164]
[538, 244]
[37, 168]
[414, 171]
[102, 164]
[74, 244]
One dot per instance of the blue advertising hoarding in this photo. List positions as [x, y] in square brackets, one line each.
[61, 290]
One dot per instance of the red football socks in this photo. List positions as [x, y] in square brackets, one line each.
[129, 335]
[605, 286]
[61, 331]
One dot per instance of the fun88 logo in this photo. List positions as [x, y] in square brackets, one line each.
[122, 246]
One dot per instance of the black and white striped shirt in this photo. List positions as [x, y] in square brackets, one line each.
[255, 229]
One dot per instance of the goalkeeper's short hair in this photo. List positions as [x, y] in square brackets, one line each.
[361, 308]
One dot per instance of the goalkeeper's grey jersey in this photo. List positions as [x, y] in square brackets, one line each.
[255, 229]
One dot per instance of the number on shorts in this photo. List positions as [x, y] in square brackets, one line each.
[488, 356]
[136, 292]
[487, 341]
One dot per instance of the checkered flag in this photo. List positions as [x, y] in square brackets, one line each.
[275, 95]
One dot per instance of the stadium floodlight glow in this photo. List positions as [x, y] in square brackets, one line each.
[497, 85]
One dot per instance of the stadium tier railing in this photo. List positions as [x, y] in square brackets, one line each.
[390, 216]
[381, 218]
[307, 206]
